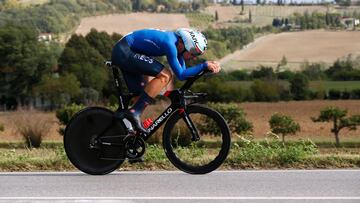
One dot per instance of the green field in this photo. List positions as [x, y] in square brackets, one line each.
[338, 85]
[199, 20]
[314, 85]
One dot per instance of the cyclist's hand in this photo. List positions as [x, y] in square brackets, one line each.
[213, 66]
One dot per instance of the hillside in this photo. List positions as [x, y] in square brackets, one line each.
[125, 23]
[313, 46]
[261, 15]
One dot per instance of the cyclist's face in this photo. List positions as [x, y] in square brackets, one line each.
[181, 49]
[187, 55]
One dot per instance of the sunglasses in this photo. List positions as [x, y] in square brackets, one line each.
[194, 52]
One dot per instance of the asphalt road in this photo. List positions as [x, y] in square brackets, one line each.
[175, 186]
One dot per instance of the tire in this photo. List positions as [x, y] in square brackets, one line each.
[78, 133]
[199, 157]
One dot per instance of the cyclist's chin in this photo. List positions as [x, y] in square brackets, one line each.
[188, 57]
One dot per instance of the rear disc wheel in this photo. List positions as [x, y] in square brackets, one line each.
[82, 128]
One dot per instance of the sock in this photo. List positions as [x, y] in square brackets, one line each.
[141, 104]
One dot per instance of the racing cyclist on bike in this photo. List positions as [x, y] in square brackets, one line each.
[134, 55]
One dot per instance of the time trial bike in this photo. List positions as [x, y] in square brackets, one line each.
[196, 138]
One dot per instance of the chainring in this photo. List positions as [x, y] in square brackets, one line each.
[135, 147]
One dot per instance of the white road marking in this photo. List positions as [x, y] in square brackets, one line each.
[180, 172]
[180, 198]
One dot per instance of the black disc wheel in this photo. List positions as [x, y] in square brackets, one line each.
[201, 156]
[82, 149]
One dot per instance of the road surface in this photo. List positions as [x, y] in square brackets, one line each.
[176, 186]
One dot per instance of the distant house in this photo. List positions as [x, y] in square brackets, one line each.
[350, 22]
[45, 37]
[356, 22]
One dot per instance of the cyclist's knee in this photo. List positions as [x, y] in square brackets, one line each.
[165, 76]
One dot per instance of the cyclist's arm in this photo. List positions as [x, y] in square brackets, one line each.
[178, 66]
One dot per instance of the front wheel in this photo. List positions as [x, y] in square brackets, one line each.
[204, 155]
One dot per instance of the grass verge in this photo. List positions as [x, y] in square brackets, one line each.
[51, 157]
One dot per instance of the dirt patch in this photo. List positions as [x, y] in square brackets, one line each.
[259, 114]
[125, 23]
[313, 46]
[10, 133]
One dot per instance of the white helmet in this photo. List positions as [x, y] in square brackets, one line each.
[194, 41]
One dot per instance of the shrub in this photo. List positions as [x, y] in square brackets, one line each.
[296, 152]
[263, 72]
[2, 128]
[239, 75]
[355, 94]
[285, 75]
[65, 114]
[345, 95]
[266, 90]
[317, 94]
[235, 117]
[283, 124]
[180, 135]
[220, 91]
[32, 126]
[334, 94]
[273, 153]
[299, 86]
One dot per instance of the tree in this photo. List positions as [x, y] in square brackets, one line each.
[339, 119]
[101, 41]
[264, 72]
[340, 66]
[282, 63]
[235, 117]
[250, 17]
[299, 86]
[216, 15]
[57, 89]
[85, 62]
[314, 71]
[23, 60]
[242, 7]
[283, 124]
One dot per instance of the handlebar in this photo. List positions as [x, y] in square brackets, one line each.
[191, 80]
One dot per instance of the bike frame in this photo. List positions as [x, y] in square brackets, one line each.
[178, 103]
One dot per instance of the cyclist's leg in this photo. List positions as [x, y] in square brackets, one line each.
[138, 65]
[161, 80]
[135, 82]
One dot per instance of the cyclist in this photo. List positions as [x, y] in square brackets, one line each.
[134, 55]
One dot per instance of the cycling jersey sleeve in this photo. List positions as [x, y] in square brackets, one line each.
[178, 66]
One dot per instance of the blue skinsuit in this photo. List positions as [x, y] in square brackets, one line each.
[133, 54]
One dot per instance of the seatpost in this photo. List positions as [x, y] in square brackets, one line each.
[116, 75]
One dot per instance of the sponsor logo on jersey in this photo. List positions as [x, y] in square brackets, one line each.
[144, 58]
